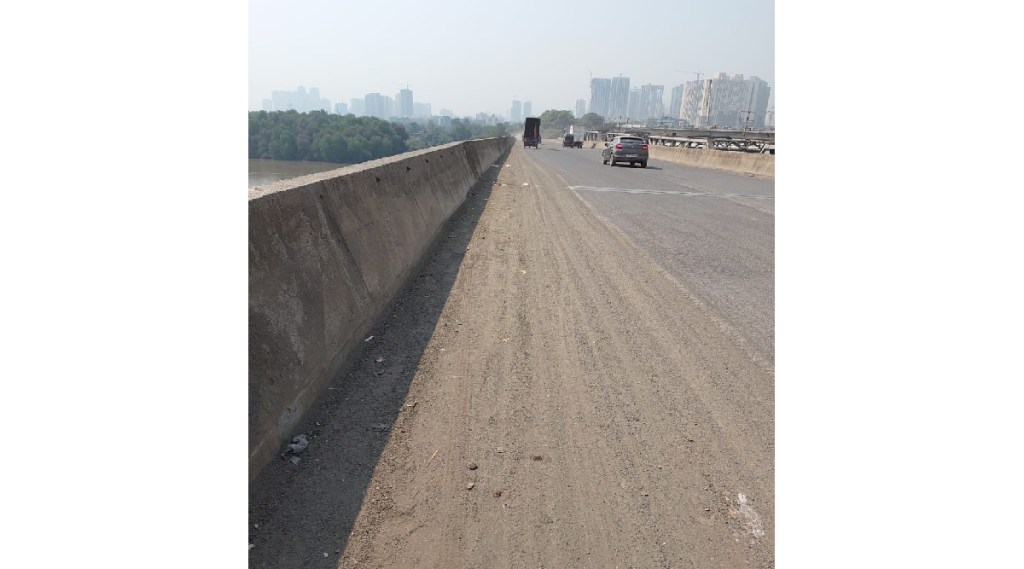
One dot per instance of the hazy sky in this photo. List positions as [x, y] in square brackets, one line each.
[473, 56]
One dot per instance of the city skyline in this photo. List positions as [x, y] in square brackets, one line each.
[734, 101]
[613, 95]
[480, 63]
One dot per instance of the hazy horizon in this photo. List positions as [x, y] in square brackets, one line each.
[465, 56]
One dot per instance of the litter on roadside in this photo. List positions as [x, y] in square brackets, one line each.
[298, 444]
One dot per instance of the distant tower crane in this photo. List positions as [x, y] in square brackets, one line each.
[699, 74]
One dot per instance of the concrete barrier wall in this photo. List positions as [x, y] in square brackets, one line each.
[739, 162]
[327, 253]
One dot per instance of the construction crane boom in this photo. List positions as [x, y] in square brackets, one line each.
[699, 74]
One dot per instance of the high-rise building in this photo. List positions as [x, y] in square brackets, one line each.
[421, 110]
[731, 102]
[405, 104]
[527, 109]
[675, 105]
[693, 94]
[633, 106]
[651, 105]
[340, 108]
[581, 108]
[358, 107]
[517, 112]
[445, 113]
[757, 109]
[300, 100]
[600, 93]
[376, 105]
[316, 103]
[488, 119]
[618, 100]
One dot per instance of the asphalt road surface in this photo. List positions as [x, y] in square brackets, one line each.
[580, 375]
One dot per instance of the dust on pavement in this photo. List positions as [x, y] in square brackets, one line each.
[541, 395]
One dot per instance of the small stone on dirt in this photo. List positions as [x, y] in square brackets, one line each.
[298, 444]
[470, 486]
[380, 360]
[472, 466]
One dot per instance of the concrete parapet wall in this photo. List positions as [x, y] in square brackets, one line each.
[327, 253]
[739, 162]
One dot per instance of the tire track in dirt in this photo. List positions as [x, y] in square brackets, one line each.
[637, 348]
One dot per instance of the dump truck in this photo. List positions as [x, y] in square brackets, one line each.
[531, 133]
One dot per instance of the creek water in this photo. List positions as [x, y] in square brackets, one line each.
[267, 171]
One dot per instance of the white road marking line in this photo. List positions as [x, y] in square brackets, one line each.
[667, 192]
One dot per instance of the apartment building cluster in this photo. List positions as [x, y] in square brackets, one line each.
[371, 105]
[722, 101]
[520, 110]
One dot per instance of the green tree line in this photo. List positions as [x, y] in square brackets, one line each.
[323, 137]
[348, 139]
[554, 122]
[432, 133]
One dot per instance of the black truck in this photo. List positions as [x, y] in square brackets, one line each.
[531, 134]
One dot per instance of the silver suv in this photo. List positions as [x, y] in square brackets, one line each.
[630, 149]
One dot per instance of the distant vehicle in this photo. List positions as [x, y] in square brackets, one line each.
[630, 149]
[568, 141]
[578, 133]
[531, 132]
